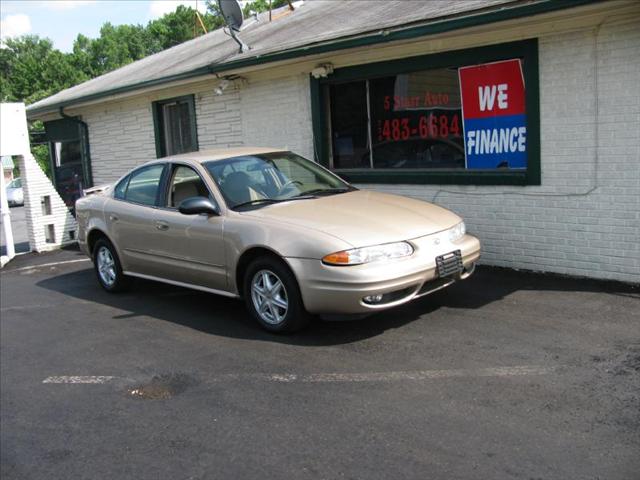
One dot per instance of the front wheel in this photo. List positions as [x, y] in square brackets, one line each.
[107, 266]
[272, 296]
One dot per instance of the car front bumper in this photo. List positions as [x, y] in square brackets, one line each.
[330, 290]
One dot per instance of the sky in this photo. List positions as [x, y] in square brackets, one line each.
[62, 20]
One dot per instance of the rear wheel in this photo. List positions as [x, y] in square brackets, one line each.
[107, 266]
[273, 297]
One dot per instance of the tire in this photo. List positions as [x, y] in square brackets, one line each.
[283, 310]
[108, 268]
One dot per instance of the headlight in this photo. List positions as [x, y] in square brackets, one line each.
[377, 253]
[457, 232]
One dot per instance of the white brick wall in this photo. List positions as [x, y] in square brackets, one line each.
[36, 186]
[277, 113]
[121, 136]
[219, 119]
[583, 220]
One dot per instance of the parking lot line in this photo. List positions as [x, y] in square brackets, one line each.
[515, 371]
[79, 379]
[28, 307]
[43, 265]
[391, 376]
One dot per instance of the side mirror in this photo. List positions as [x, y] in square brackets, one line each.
[198, 205]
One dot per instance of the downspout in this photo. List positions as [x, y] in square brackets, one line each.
[86, 163]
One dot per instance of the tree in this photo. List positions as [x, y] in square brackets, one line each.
[260, 6]
[178, 27]
[31, 69]
[256, 6]
[115, 47]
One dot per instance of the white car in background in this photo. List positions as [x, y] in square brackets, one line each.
[15, 195]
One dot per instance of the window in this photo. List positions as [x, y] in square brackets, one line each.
[144, 185]
[185, 183]
[466, 117]
[121, 188]
[67, 152]
[175, 126]
[272, 177]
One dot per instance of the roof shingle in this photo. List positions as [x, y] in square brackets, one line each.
[314, 22]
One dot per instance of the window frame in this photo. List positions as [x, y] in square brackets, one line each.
[127, 178]
[525, 49]
[158, 122]
[124, 181]
[166, 187]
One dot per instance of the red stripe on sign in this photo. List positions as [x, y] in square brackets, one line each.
[492, 89]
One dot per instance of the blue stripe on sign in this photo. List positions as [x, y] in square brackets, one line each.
[496, 142]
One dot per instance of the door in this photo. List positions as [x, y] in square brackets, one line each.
[190, 247]
[129, 216]
[70, 159]
[68, 170]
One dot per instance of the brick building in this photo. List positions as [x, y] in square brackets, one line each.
[382, 93]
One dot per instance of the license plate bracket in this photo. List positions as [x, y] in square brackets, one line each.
[449, 264]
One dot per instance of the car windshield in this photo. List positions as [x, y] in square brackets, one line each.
[263, 179]
[16, 183]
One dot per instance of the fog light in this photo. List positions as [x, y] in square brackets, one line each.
[373, 298]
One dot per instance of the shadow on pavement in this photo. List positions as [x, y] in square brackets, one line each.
[222, 316]
[216, 315]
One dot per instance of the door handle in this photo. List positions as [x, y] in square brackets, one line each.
[160, 225]
[113, 218]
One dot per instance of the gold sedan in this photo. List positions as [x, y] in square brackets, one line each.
[286, 235]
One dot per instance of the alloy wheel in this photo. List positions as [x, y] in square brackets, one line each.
[269, 297]
[106, 266]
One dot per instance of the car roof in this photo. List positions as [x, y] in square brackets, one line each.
[221, 154]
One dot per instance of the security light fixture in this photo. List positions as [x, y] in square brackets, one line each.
[222, 86]
[322, 71]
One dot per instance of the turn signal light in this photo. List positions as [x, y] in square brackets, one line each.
[338, 258]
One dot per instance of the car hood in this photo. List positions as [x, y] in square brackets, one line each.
[362, 217]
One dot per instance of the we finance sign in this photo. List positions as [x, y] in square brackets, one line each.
[493, 112]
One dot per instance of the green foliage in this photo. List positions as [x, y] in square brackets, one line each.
[41, 154]
[116, 46]
[31, 69]
[178, 27]
[259, 6]
[40, 151]
[255, 6]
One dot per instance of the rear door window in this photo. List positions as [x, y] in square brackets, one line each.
[121, 188]
[144, 185]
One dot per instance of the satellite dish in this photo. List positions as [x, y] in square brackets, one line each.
[232, 13]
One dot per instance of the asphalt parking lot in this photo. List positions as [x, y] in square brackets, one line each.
[19, 228]
[507, 375]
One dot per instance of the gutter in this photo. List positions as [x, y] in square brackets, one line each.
[382, 36]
